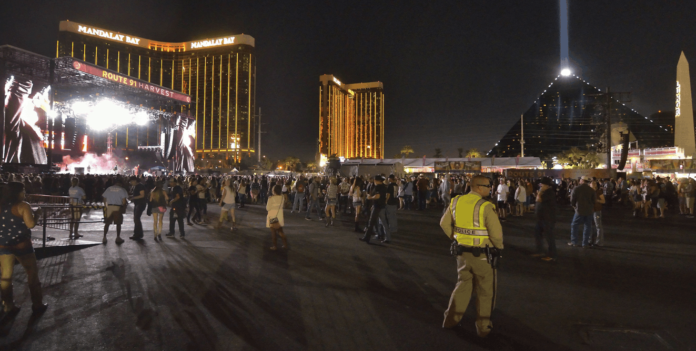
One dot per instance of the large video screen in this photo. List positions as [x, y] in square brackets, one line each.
[26, 106]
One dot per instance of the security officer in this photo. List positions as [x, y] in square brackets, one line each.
[473, 223]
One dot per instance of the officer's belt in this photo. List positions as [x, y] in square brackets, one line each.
[476, 251]
[470, 231]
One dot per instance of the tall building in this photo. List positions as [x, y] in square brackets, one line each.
[684, 114]
[351, 119]
[219, 74]
[569, 113]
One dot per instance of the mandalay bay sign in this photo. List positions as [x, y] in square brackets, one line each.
[107, 34]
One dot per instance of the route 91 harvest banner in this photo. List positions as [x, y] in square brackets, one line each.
[129, 81]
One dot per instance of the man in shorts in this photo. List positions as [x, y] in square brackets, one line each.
[502, 192]
[114, 205]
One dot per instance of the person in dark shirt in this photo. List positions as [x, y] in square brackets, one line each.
[392, 203]
[178, 204]
[378, 196]
[139, 204]
[545, 210]
[193, 203]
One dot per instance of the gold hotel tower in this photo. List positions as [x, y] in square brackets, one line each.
[351, 119]
[219, 74]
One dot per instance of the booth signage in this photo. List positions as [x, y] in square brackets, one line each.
[458, 166]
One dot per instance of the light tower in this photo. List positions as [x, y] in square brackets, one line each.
[563, 13]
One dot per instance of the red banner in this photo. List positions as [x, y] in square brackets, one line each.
[126, 80]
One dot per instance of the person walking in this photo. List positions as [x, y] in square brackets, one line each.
[545, 211]
[17, 219]
[331, 201]
[178, 204]
[193, 203]
[378, 196]
[502, 192]
[344, 190]
[139, 204]
[392, 204]
[227, 204]
[356, 194]
[201, 191]
[115, 202]
[158, 205]
[690, 195]
[242, 192]
[583, 200]
[77, 199]
[409, 188]
[521, 198]
[313, 201]
[422, 186]
[597, 215]
[473, 223]
[299, 190]
[274, 219]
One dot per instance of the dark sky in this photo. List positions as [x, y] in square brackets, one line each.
[456, 74]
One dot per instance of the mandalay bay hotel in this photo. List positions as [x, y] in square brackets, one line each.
[351, 119]
[219, 74]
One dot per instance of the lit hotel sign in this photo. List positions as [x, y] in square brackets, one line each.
[213, 42]
[336, 81]
[125, 80]
[107, 34]
[678, 111]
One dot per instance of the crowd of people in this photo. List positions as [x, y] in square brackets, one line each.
[371, 202]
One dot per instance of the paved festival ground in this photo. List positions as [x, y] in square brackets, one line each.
[218, 290]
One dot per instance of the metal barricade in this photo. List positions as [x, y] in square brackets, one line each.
[57, 212]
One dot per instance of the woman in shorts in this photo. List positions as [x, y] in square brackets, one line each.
[158, 206]
[331, 201]
[356, 193]
[17, 219]
[227, 204]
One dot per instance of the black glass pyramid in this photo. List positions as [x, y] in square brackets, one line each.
[569, 113]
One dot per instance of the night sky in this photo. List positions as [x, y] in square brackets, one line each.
[456, 74]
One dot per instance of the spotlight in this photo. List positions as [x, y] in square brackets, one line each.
[81, 107]
[141, 118]
[565, 72]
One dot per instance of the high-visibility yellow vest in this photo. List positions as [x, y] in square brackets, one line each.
[467, 216]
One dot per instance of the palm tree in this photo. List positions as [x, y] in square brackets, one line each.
[591, 160]
[461, 151]
[290, 162]
[311, 166]
[406, 150]
[473, 153]
[266, 164]
[438, 153]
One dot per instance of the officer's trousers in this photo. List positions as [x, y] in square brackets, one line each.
[474, 273]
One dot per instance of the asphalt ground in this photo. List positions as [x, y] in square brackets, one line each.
[223, 290]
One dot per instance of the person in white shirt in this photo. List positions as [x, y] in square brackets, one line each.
[502, 192]
[520, 198]
[77, 198]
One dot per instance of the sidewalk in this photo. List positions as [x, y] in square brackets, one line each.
[222, 290]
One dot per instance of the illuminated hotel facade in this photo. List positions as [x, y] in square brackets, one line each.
[351, 119]
[219, 74]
